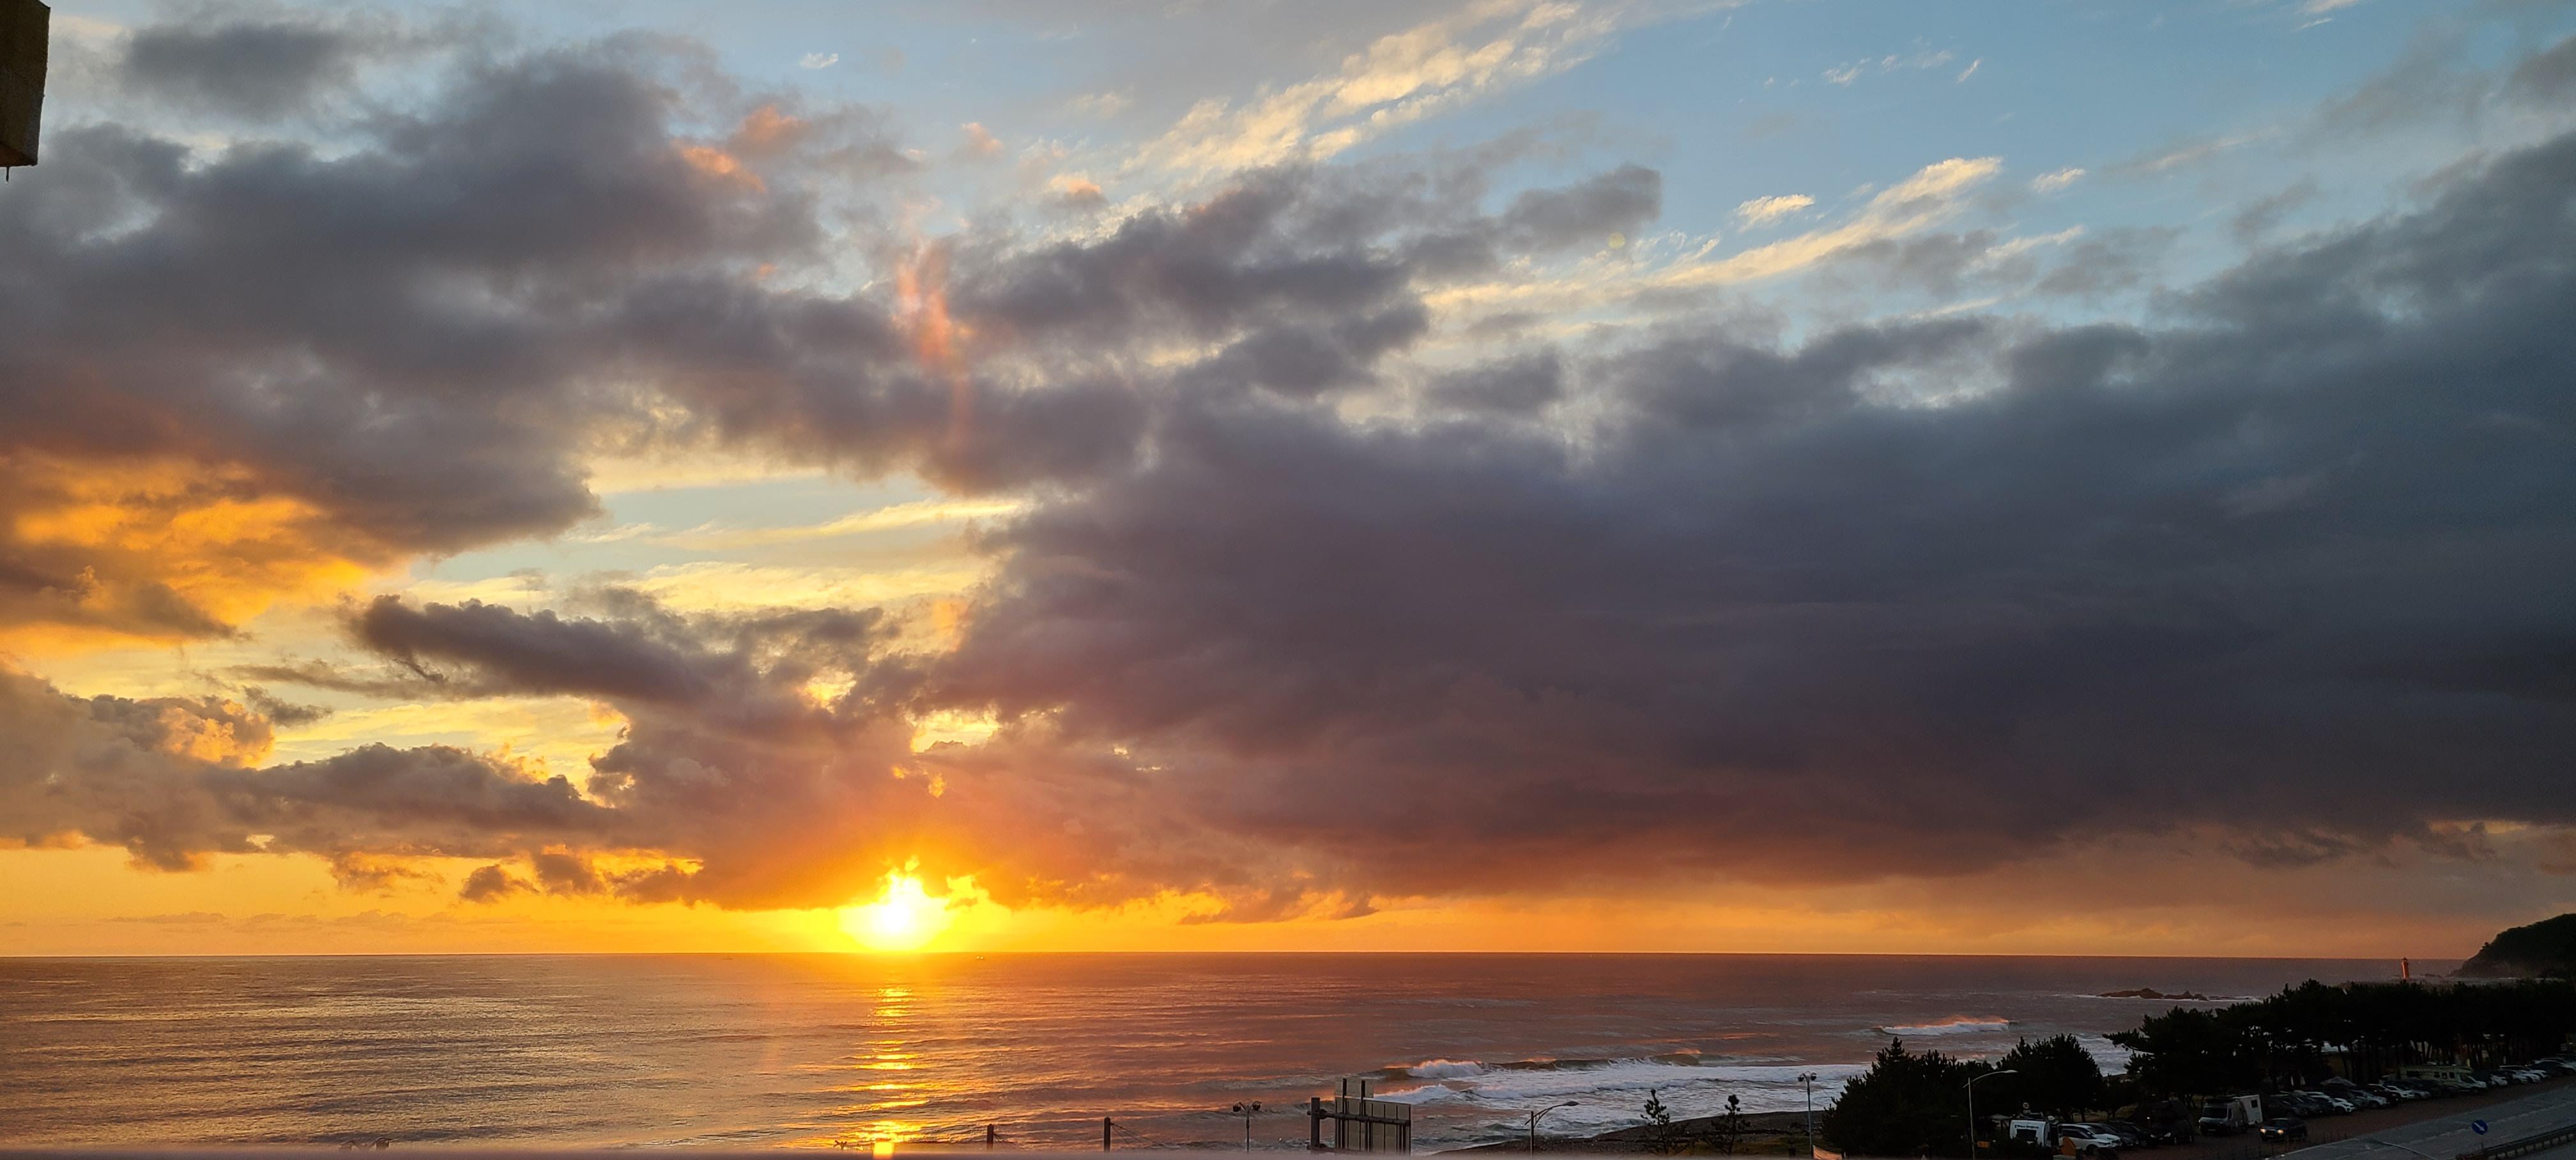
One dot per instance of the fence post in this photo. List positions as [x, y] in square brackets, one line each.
[1104, 1133]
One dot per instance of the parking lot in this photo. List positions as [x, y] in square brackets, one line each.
[2439, 1128]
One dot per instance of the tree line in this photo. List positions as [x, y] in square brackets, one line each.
[1911, 1102]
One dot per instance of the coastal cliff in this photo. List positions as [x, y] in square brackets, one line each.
[2544, 947]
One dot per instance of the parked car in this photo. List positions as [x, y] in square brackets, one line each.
[2131, 1135]
[2230, 1115]
[2283, 1129]
[2395, 1094]
[2089, 1138]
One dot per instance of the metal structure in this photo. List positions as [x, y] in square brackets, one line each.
[1972, 1104]
[24, 27]
[1808, 1080]
[1360, 1124]
[1536, 1116]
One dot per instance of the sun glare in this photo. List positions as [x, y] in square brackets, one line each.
[903, 918]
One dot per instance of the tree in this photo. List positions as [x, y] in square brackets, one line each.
[1726, 1132]
[1660, 1136]
[2055, 1075]
[1904, 1104]
[2193, 1052]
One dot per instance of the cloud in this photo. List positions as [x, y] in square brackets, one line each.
[213, 370]
[2186, 154]
[1103, 105]
[1845, 74]
[1930, 195]
[2055, 180]
[2085, 264]
[1621, 200]
[1395, 80]
[1763, 211]
[1970, 71]
[1076, 190]
[2545, 78]
[2257, 220]
[254, 69]
[918, 513]
[1520, 385]
[173, 780]
[1782, 618]
[1702, 597]
[818, 60]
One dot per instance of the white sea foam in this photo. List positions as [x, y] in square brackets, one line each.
[1611, 1092]
[2112, 1057]
[1955, 1025]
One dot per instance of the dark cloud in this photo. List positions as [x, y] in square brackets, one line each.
[1943, 264]
[1585, 214]
[255, 69]
[1908, 598]
[491, 884]
[2546, 79]
[174, 779]
[2283, 563]
[280, 711]
[410, 343]
[1911, 598]
[1520, 385]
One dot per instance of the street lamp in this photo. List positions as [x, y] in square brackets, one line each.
[1972, 1106]
[1533, 1124]
[1809, 1080]
[1247, 1111]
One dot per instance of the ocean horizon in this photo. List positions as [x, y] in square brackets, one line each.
[756, 1049]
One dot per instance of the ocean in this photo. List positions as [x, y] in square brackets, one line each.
[753, 1050]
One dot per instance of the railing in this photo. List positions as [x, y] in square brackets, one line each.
[2524, 1146]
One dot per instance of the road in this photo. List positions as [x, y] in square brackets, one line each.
[2447, 1133]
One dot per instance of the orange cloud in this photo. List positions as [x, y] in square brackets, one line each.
[921, 290]
[717, 163]
[117, 551]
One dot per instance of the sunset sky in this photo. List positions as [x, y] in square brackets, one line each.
[2058, 477]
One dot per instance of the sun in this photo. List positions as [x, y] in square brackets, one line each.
[903, 918]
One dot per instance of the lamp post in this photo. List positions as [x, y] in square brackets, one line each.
[1972, 1106]
[1808, 1079]
[1247, 1111]
[1533, 1121]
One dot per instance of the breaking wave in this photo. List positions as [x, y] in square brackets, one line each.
[1609, 1091]
[1954, 1025]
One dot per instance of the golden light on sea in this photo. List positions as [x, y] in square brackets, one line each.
[903, 918]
